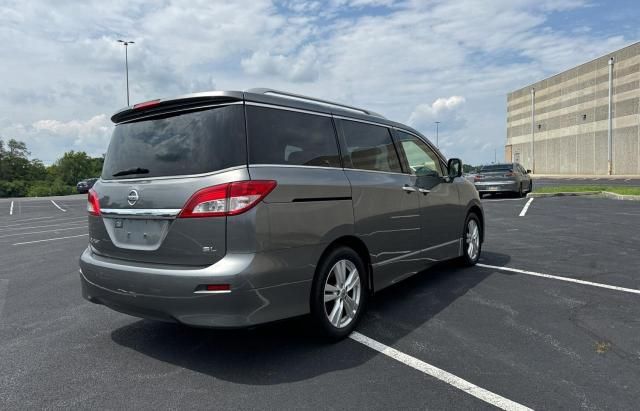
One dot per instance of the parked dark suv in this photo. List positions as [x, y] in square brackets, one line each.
[228, 209]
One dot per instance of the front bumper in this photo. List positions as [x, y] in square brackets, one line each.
[168, 293]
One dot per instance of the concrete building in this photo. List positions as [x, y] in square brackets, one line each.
[584, 121]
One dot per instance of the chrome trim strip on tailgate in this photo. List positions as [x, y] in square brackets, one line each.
[151, 212]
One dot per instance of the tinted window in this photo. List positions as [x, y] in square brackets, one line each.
[190, 143]
[496, 167]
[370, 147]
[422, 161]
[288, 137]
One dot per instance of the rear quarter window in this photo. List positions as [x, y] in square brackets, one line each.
[184, 144]
[292, 138]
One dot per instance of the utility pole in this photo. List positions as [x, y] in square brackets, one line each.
[126, 63]
[533, 130]
[437, 139]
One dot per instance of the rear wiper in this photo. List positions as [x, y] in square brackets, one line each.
[128, 171]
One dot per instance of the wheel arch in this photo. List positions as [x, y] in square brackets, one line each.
[359, 247]
[477, 210]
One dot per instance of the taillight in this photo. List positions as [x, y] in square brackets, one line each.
[477, 178]
[93, 205]
[146, 104]
[509, 174]
[227, 199]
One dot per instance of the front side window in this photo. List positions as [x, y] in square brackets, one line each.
[422, 161]
[370, 147]
[292, 138]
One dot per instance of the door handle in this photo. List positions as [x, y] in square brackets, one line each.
[408, 188]
[424, 191]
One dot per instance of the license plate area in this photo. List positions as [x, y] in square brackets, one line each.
[137, 234]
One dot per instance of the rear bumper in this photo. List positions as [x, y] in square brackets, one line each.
[497, 187]
[168, 293]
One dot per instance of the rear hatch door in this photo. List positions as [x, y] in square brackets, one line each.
[154, 164]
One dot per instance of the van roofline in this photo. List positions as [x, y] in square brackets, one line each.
[265, 96]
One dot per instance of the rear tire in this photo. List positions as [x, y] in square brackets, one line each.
[520, 191]
[530, 186]
[472, 240]
[339, 293]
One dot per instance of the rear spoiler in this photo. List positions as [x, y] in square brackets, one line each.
[186, 102]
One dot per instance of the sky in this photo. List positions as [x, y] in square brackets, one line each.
[415, 62]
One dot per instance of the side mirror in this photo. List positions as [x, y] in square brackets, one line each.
[528, 171]
[454, 167]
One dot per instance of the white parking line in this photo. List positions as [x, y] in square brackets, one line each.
[50, 239]
[11, 209]
[567, 279]
[43, 231]
[457, 382]
[36, 218]
[526, 207]
[66, 222]
[59, 208]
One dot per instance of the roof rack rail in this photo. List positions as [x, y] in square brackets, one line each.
[311, 99]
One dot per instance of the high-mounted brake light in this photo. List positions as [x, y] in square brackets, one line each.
[227, 199]
[93, 205]
[146, 104]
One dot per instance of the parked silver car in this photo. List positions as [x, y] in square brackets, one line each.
[501, 178]
[228, 209]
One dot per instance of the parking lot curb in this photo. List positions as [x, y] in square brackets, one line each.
[565, 194]
[604, 194]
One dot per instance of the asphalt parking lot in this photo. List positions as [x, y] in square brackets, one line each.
[560, 330]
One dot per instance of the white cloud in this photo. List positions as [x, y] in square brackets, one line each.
[303, 67]
[44, 138]
[65, 66]
[446, 110]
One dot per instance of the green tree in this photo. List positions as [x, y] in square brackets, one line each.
[74, 166]
[17, 149]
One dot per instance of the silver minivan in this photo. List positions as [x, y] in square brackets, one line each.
[230, 209]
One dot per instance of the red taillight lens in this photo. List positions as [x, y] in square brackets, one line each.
[509, 174]
[93, 205]
[146, 104]
[477, 178]
[218, 287]
[208, 202]
[227, 199]
[245, 194]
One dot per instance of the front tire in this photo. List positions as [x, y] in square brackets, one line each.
[339, 292]
[472, 238]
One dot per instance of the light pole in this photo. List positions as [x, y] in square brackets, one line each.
[126, 63]
[437, 142]
[533, 132]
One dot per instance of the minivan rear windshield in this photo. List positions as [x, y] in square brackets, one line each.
[496, 167]
[182, 144]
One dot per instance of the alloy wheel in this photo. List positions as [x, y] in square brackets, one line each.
[473, 239]
[342, 293]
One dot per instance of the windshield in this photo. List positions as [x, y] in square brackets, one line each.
[496, 167]
[191, 143]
